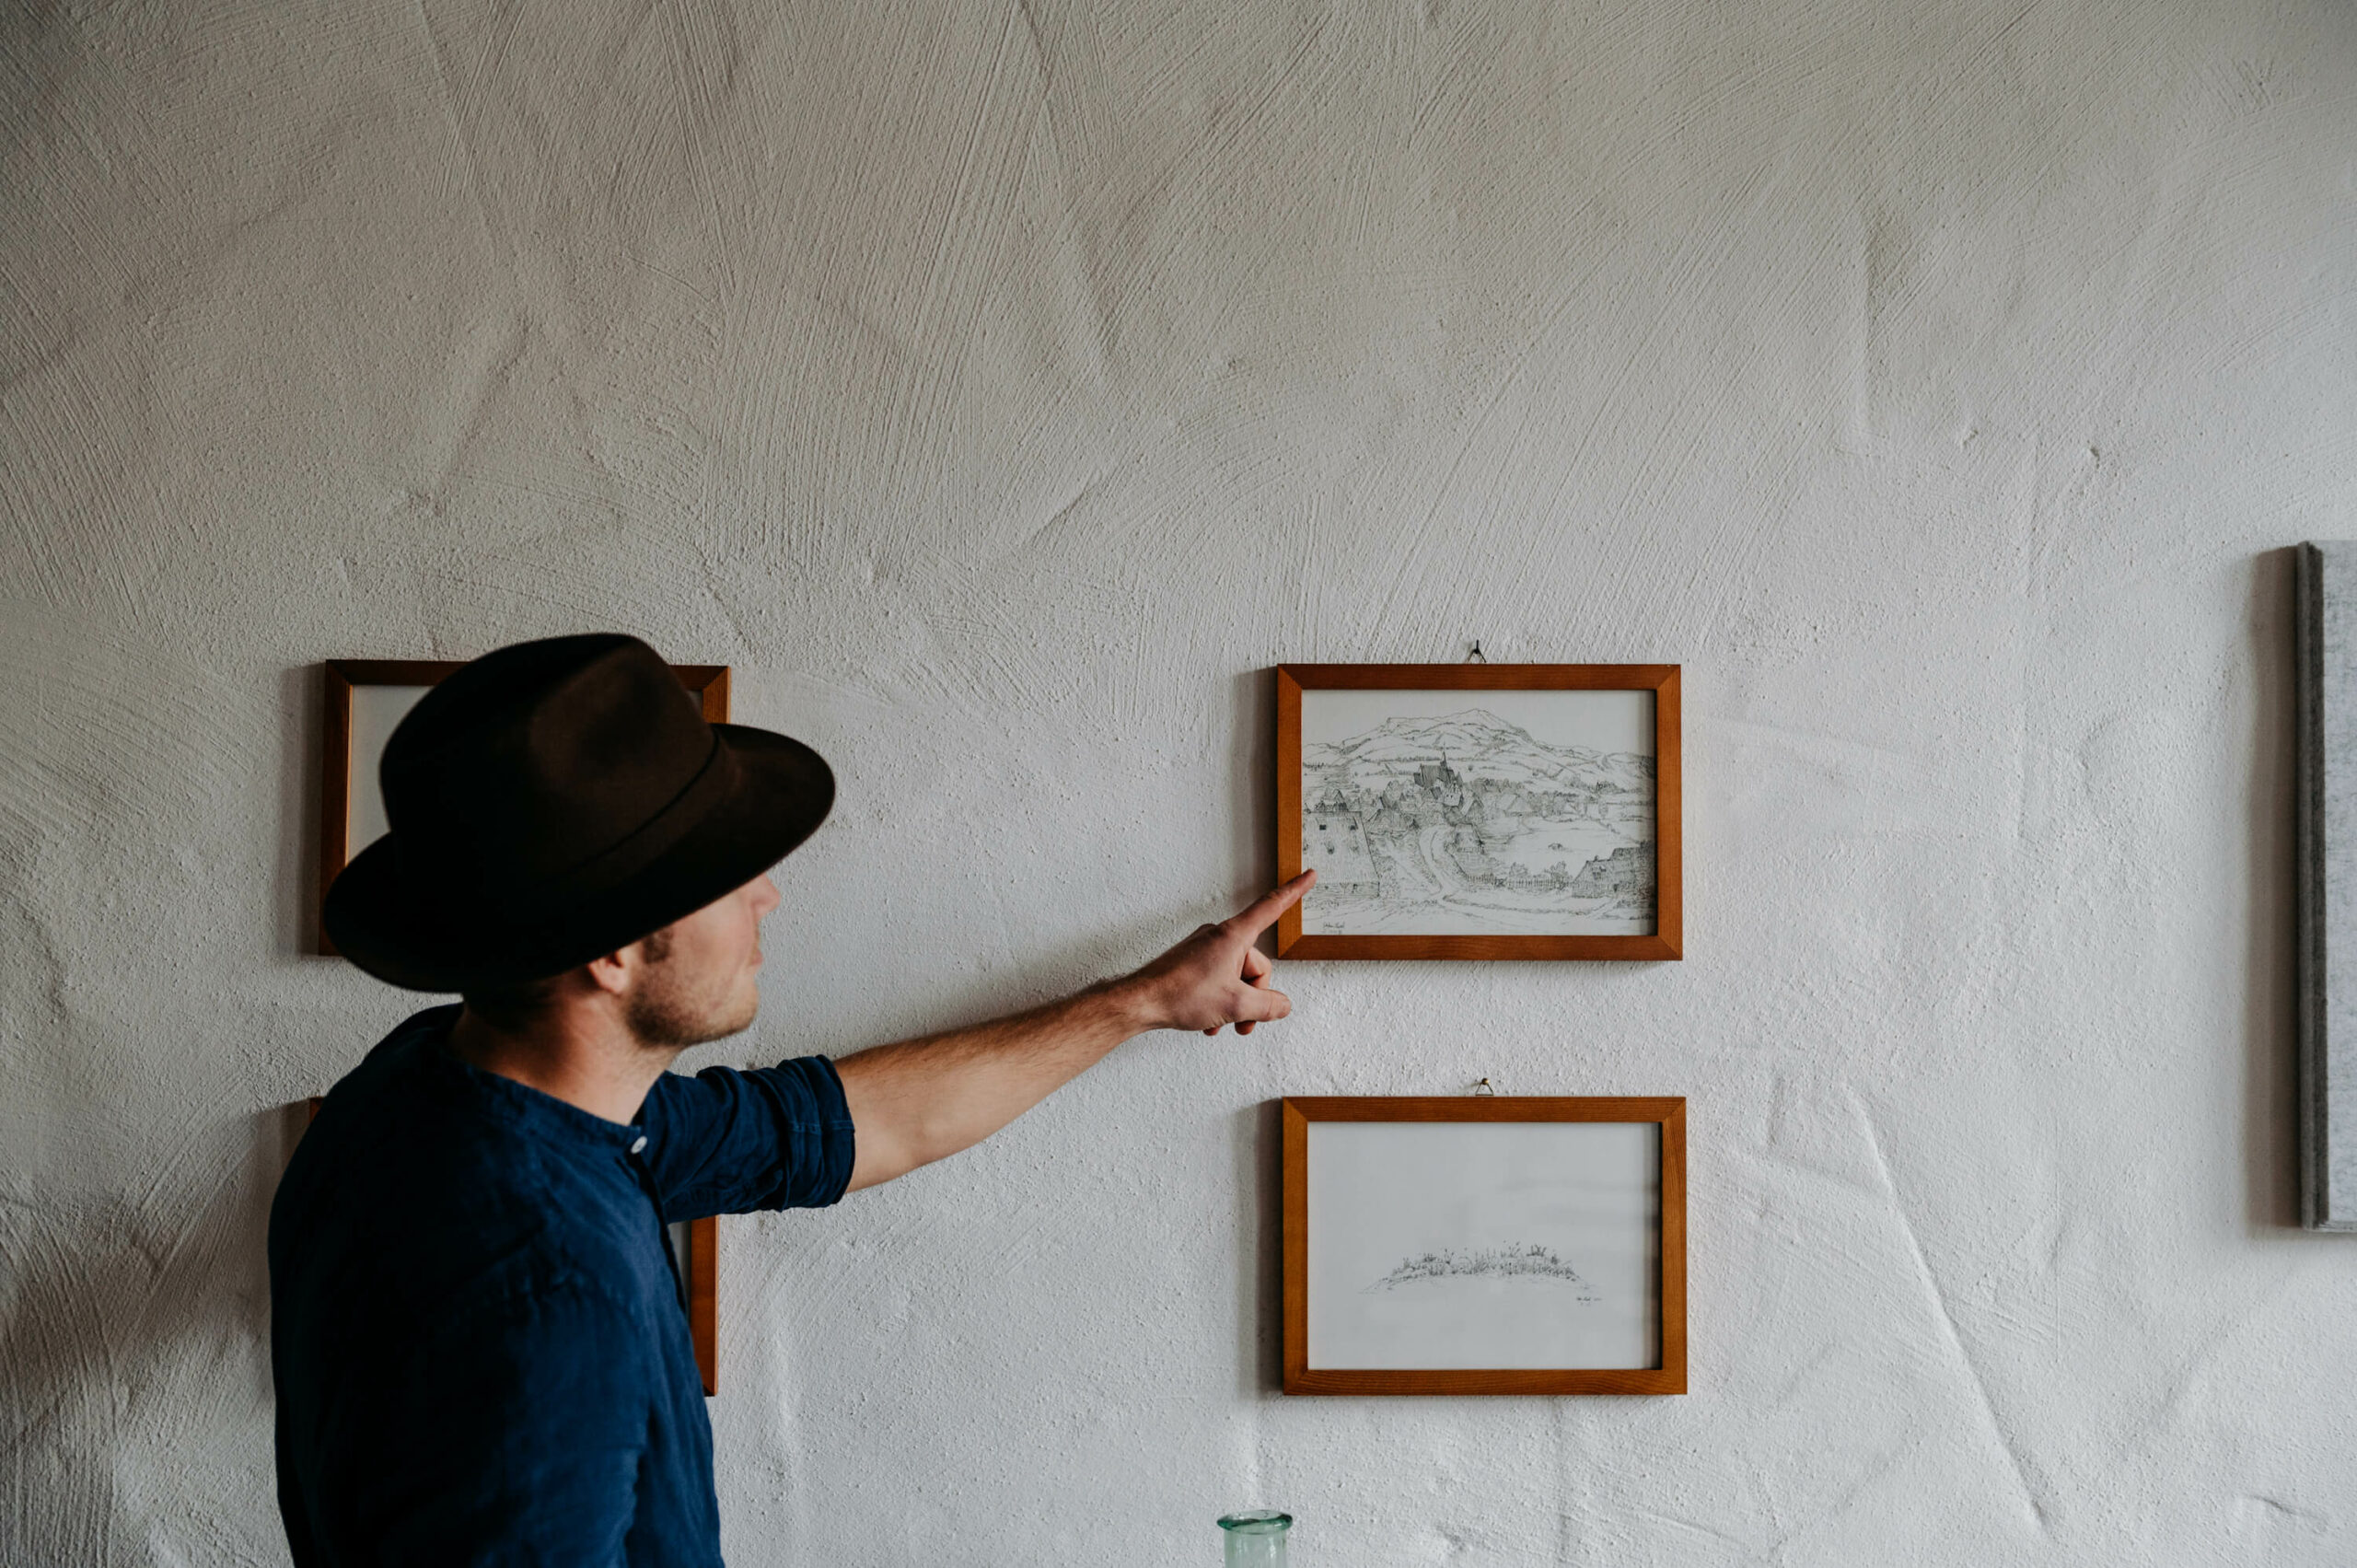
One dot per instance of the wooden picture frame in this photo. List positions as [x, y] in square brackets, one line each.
[1665, 940]
[343, 679]
[1478, 1271]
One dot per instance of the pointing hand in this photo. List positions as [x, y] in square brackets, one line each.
[1218, 976]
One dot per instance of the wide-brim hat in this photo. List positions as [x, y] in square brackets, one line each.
[558, 800]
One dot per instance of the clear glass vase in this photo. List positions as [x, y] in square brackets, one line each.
[1256, 1539]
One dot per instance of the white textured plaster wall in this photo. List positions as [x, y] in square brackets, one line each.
[1001, 387]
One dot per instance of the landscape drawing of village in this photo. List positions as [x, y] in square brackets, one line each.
[1478, 812]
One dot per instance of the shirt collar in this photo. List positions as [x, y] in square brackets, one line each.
[519, 1105]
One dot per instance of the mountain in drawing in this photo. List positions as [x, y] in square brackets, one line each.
[1477, 745]
[1510, 1262]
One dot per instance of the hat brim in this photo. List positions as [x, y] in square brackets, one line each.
[407, 936]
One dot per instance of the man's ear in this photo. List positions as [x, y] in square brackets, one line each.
[611, 972]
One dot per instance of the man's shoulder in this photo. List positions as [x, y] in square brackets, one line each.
[397, 1120]
[396, 1072]
[412, 1178]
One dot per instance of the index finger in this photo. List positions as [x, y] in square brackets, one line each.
[1262, 912]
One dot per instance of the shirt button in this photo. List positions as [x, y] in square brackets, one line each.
[640, 1144]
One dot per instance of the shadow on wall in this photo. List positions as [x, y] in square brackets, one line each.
[1259, 1260]
[1252, 790]
[1259, 1272]
[295, 887]
[135, 1361]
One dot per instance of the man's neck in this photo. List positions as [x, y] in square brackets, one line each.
[584, 1058]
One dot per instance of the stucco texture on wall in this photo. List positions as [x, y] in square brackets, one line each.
[1001, 387]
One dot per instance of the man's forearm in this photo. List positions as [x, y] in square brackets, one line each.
[924, 1099]
[921, 1101]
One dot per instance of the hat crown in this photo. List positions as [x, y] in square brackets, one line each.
[536, 758]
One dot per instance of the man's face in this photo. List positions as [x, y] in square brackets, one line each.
[701, 978]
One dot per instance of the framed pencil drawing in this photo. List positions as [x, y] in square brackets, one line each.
[365, 699]
[1479, 810]
[1484, 1244]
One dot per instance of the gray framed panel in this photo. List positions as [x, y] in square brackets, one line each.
[2324, 617]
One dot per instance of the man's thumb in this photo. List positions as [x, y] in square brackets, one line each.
[1258, 1005]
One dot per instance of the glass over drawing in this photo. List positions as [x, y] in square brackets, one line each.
[1473, 1244]
[1481, 811]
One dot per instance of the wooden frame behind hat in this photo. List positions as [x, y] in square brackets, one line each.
[710, 682]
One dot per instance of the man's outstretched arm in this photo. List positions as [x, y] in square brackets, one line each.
[924, 1099]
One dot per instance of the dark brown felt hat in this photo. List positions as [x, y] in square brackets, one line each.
[556, 800]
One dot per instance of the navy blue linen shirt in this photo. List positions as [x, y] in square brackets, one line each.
[476, 1325]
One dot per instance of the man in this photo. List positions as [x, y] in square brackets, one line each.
[477, 1332]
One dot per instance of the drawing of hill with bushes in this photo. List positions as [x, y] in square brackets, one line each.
[1524, 1261]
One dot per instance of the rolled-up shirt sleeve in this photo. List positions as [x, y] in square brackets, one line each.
[730, 1142]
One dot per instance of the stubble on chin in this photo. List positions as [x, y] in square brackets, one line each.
[666, 1017]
